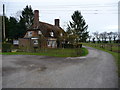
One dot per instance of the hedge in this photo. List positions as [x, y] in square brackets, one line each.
[6, 47]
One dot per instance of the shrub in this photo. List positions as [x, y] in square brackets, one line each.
[79, 46]
[72, 45]
[6, 47]
[68, 45]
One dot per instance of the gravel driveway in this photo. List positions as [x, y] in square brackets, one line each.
[96, 70]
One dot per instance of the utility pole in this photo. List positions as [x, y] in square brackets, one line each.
[4, 36]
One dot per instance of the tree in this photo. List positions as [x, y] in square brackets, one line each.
[93, 39]
[110, 36]
[101, 36]
[115, 34]
[118, 35]
[105, 36]
[89, 37]
[78, 27]
[27, 16]
[97, 35]
[22, 27]
[13, 29]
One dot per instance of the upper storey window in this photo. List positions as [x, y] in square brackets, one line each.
[61, 34]
[39, 32]
[29, 34]
[51, 34]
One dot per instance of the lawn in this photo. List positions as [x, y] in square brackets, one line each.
[54, 52]
[115, 52]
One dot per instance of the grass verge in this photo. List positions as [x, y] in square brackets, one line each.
[54, 52]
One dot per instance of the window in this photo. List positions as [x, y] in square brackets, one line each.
[35, 42]
[15, 42]
[39, 32]
[29, 34]
[51, 34]
[61, 34]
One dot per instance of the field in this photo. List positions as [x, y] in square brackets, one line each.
[113, 49]
[53, 52]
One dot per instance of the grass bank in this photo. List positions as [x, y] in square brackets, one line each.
[54, 52]
[115, 54]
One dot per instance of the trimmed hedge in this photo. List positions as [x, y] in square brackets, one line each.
[72, 45]
[6, 47]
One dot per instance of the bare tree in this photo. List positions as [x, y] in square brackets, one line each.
[110, 36]
[118, 35]
[93, 39]
[89, 37]
[97, 36]
[101, 36]
[115, 35]
[105, 36]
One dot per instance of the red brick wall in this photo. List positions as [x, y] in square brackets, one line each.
[24, 42]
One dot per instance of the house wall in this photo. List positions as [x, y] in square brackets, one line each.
[34, 34]
[51, 43]
[27, 44]
[24, 44]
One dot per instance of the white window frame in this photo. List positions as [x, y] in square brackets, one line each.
[35, 42]
[51, 34]
[39, 32]
[29, 34]
[61, 34]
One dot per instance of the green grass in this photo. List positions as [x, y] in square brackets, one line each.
[115, 54]
[54, 52]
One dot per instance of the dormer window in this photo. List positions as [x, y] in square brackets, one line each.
[51, 34]
[39, 32]
[61, 34]
[29, 34]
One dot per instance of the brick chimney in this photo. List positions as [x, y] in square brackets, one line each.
[36, 19]
[57, 22]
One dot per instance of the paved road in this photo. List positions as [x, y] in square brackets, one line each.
[96, 70]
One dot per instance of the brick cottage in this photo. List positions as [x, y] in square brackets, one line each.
[42, 34]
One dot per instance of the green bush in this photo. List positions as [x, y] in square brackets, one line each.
[79, 46]
[6, 47]
[72, 45]
[68, 45]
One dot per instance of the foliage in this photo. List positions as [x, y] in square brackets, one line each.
[27, 16]
[105, 37]
[78, 28]
[6, 47]
[17, 28]
[42, 41]
[13, 28]
[72, 45]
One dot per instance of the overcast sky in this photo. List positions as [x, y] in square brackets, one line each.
[100, 15]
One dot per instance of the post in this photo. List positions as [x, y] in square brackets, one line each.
[4, 36]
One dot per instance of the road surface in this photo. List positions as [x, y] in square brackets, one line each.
[96, 70]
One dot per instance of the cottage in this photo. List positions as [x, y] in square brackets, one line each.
[42, 34]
